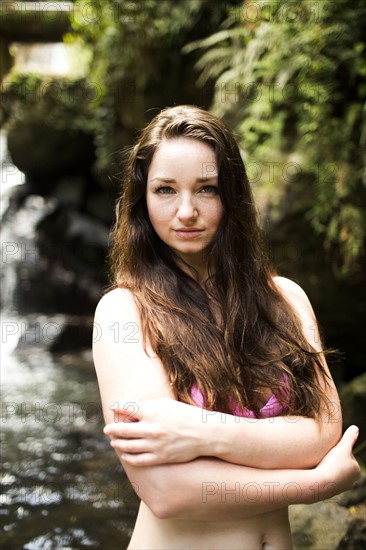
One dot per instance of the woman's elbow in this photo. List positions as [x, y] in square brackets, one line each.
[162, 511]
[324, 438]
[170, 501]
[329, 435]
[163, 506]
[159, 492]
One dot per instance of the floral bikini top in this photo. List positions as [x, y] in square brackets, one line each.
[273, 407]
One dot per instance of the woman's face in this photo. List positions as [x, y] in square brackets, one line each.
[182, 197]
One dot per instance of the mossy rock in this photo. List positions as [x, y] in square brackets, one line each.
[353, 400]
[326, 526]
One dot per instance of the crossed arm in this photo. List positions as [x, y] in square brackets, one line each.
[184, 482]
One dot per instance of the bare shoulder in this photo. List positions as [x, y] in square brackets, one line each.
[118, 301]
[300, 303]
[124, 369]
[288, 286]
[293, 293]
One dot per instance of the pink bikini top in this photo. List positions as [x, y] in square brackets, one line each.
[273, 407]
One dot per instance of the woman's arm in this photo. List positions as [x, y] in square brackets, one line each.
[210, 489]
[278, 442]
[205, 488]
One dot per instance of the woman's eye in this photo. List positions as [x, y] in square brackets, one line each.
[164, 190]
[210, 189]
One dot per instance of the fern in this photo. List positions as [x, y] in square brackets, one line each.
[292, 83]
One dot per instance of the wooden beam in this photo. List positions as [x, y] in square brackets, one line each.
[34, 21]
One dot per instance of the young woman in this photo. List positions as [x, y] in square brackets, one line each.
[215, 390]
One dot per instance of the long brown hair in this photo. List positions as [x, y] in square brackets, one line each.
[260, 343]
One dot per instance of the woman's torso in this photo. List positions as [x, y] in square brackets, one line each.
[269, 531]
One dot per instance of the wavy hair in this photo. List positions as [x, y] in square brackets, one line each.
[260, 342]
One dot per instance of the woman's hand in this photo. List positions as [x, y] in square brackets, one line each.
[339, 469]
[156, 431]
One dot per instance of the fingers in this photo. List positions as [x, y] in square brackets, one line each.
[139, 460]
[134, 430]
[124, 430]
[350, 437]
[130, 446]
[129, 411]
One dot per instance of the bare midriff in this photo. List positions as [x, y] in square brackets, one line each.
[268, 531]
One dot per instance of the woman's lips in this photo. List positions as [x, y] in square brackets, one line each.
[188, 233]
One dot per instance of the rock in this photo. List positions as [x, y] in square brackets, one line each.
[59, 334]
[353, 400]
[50, 288]
[70, 191]
[45, 153]
[355, 539]
[356, 496]
[331, 525]
[101, 204]
[72, 247]
[320, 526]
[73, 335]
[339, 304]
[54, 256]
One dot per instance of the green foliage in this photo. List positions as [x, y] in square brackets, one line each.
[137, 60]
[64, 103]
[290, 78]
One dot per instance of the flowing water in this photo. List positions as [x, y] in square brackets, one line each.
[62, 486]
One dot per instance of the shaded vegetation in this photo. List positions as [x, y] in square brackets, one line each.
[66, 102]
[138, 66]
[290, 78]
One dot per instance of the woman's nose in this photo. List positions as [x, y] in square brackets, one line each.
[187, 209]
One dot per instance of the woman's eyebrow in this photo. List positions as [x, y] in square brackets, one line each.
[198, 180]
[165, 180]
[207, 178]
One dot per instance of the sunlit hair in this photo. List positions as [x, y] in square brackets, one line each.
[259, 343]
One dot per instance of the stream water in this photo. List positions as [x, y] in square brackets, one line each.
[62, 486]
